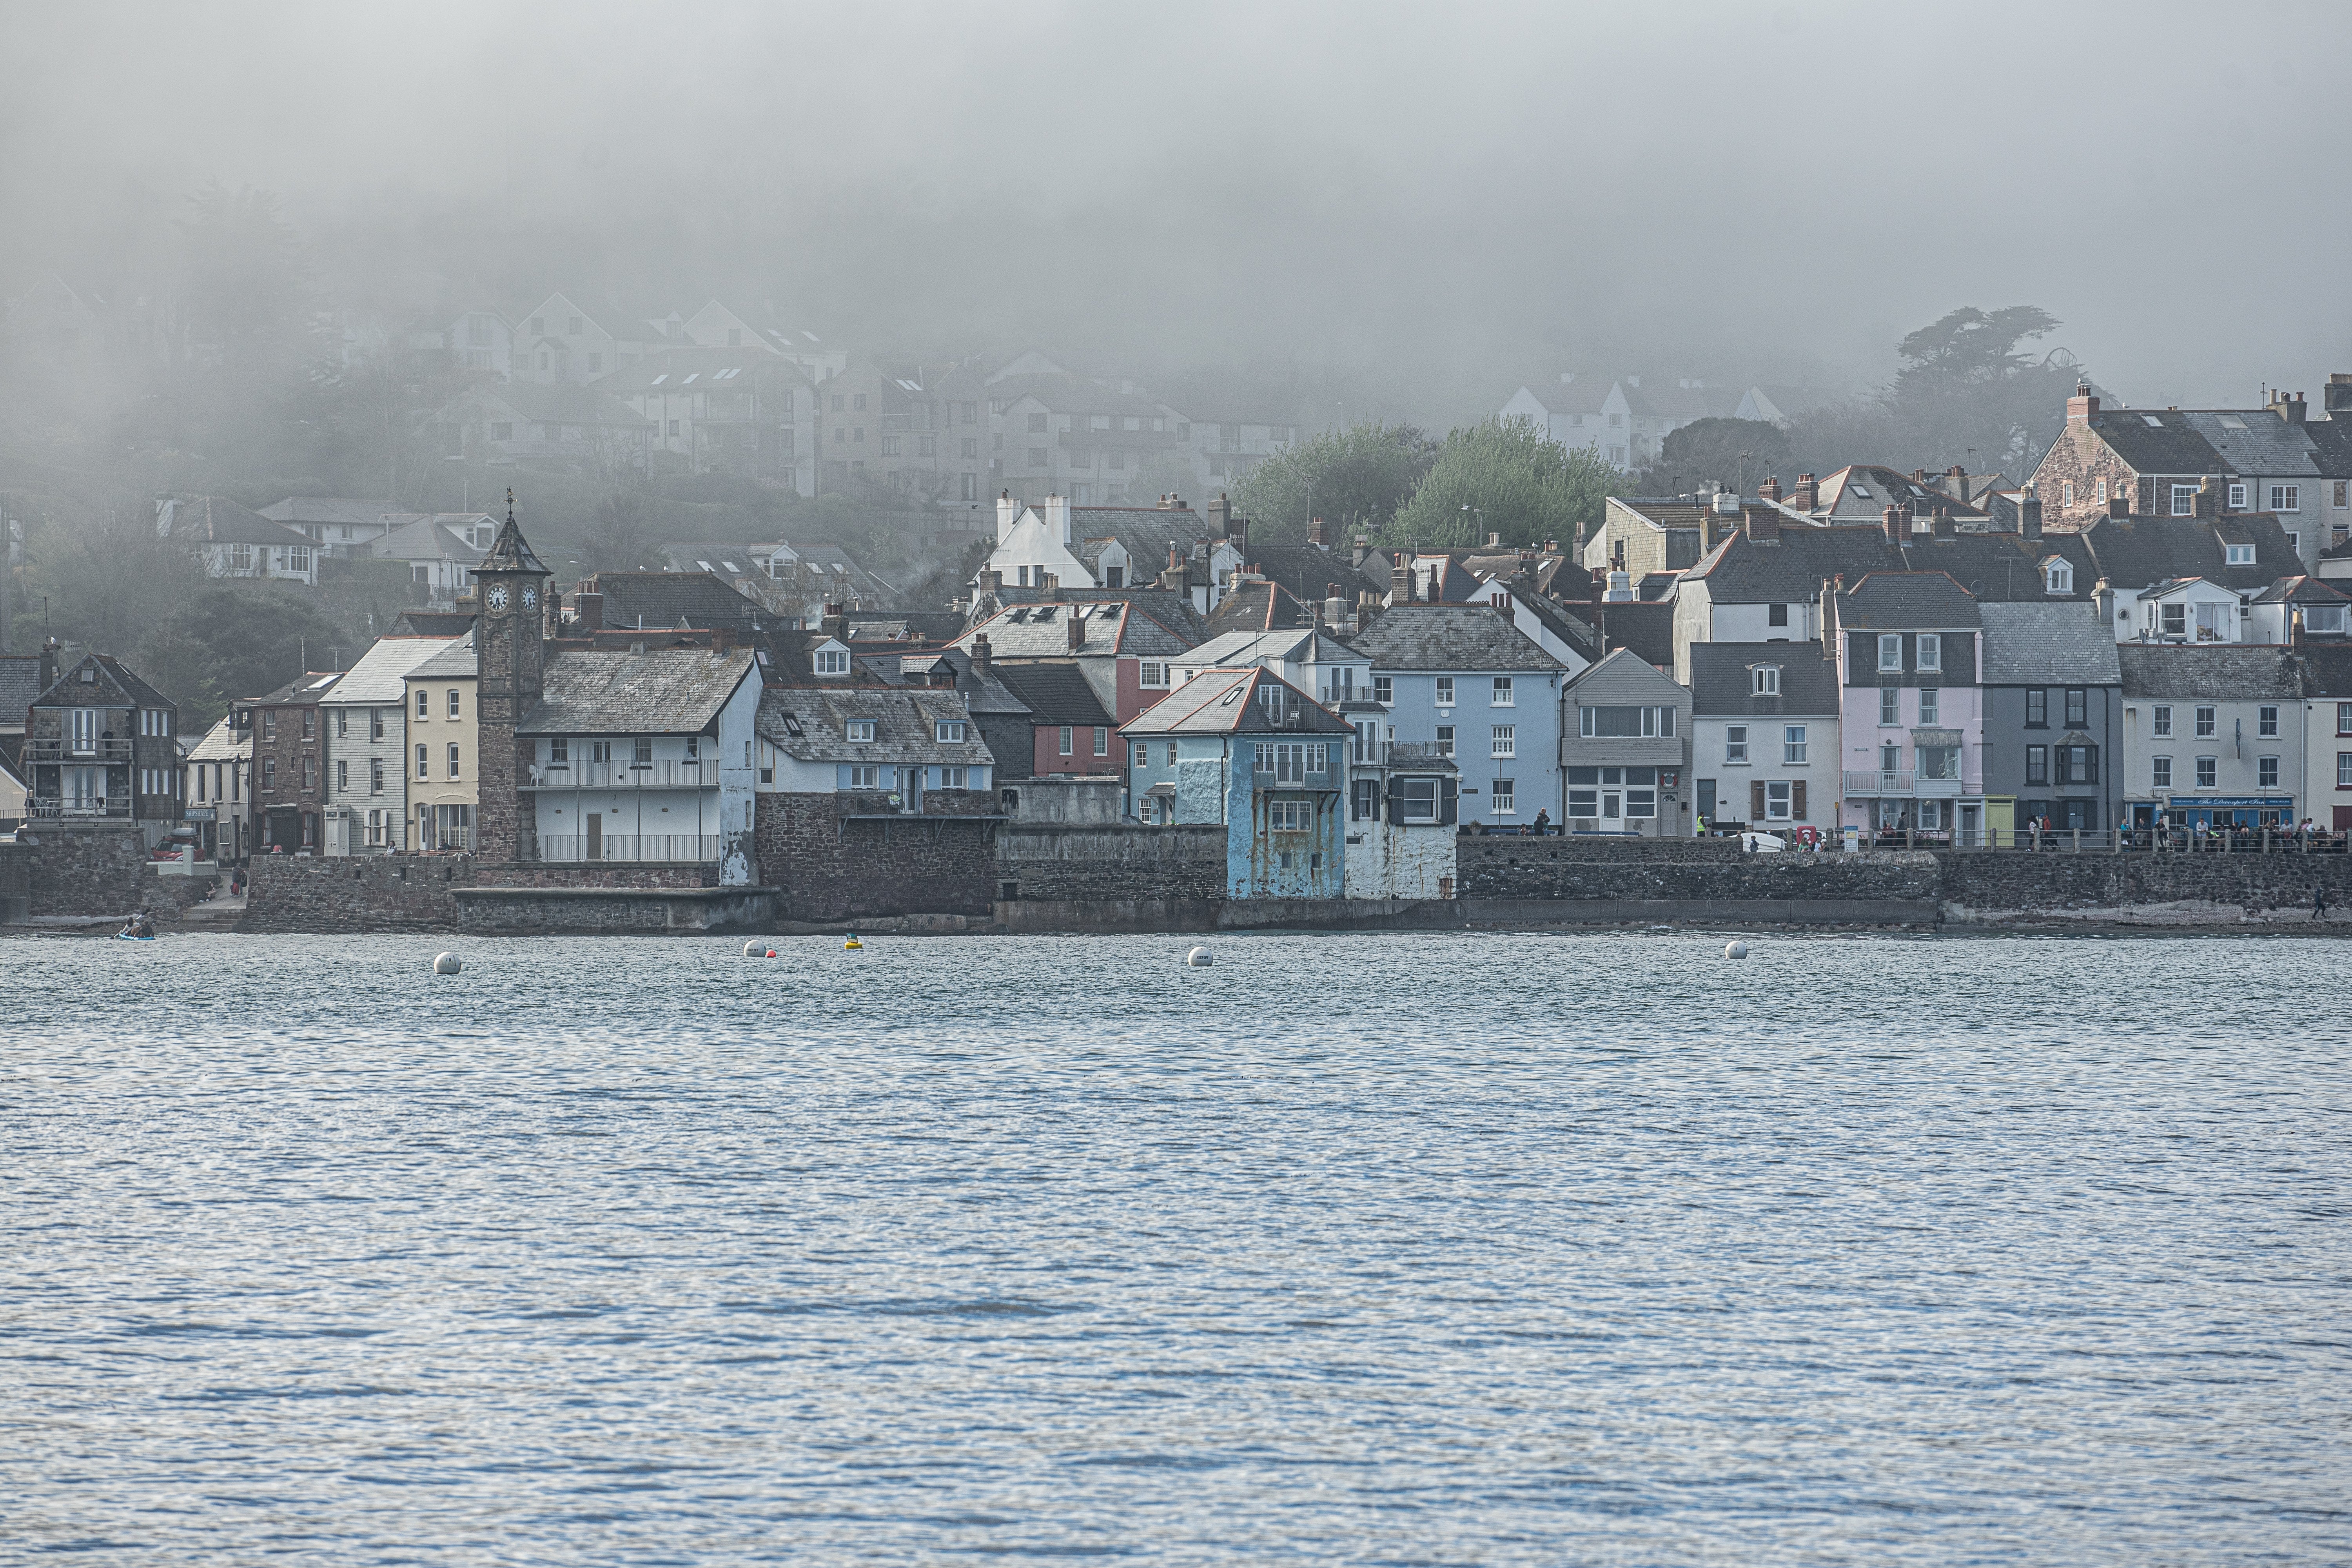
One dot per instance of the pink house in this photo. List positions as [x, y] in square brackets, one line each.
[1908, 646]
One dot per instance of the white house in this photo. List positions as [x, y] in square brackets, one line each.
[441, 549]
[1619, 418]
[1764, 736]
[337, 525]
[2213, 733]
[1111, 547]
[233, 543]
[644, 757]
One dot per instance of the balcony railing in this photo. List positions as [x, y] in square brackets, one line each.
[52, 749]
[1906, 783]
[668, 773]
[50, 806]
[627, 849]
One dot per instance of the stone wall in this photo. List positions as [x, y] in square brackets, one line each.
[1709, 870]
[94, 869]
[365, 893]
[16, 881]
[1126, 862]
[612, 912]
[1473, 847]
[1989, 886]
[828, 865]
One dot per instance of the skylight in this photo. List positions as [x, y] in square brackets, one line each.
[689, 379]
[2231, 422]
[1862, 490]
[660, 379]
[2153, 422]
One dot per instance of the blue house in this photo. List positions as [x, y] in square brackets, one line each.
[1465, 682]
[1247, 748]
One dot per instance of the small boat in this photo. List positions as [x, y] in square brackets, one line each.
[126, 936]
[853, 944]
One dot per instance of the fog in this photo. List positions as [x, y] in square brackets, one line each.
[1387, 209]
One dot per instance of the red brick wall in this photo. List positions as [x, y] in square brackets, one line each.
[1048, 757]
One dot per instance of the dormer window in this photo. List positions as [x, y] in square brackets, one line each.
[2241, 555]
[2323, 618]
[2057, 577]
[860, 730]
[950, 731]
[1764, 680]
[832, 660]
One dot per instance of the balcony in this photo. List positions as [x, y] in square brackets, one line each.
[1908, 784]
[55, 749]
[625, 848]
[668, 773]
[52, 807]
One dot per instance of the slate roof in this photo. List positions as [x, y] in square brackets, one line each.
[1449, 638]
[661, 691]
[426, 539]
[708, 367]
[455, 662]
[1720, 683]
[2134, 552]
[2254, 441]
[982, 696]
[2327, 670]
[1738, 572]
[668, 600]
[1648, 629]
[2300, 589]
[208, 519]
[1067, 394]
[2156, 441]
[224, 743]
[1143, 532]
[1113, 627]
[433, 623]
[301, 691]
[2003, 565]
[1308, 572]
[379, 675]
[2212, 672]
[1226, 702]
[2052, 645]
[1255, 606]
[1843, 497]
[1929, 601]
[811, 724]
[1172, 611]
[510, 551]
[20, 682]
[1233, 650]
[1053, 693]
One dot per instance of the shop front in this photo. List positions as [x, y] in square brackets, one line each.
[2188, 813]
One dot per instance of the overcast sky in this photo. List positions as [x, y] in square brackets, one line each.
[1454, 195]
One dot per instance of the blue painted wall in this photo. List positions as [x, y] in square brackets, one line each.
[1534, 718]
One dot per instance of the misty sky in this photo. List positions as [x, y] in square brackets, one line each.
[1440, 197]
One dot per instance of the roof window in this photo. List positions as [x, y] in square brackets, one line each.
[689, 379]
[660, 379]
[2153, 422]
[2231, 422]
[1862, 490]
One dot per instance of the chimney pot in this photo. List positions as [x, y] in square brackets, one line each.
[1315, 532]
[1771, 489]
[1053, 587]
[1897, 525]
[2081, 408]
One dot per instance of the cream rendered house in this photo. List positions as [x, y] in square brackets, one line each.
[362, 719]
[441, 761]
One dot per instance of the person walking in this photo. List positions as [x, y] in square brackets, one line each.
[2319, 902]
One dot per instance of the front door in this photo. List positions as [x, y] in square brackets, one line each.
[1972, 825]
[595, 848]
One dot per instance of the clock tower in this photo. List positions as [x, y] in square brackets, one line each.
[510, 652]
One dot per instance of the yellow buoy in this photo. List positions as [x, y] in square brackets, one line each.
[853, 944]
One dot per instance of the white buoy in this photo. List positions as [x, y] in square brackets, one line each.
[755, 950]
[1735, 950]
[1200, 958]
[446, 963]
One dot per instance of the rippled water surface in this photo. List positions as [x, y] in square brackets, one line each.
[1502, 1249]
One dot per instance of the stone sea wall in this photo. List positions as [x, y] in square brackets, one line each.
[1116, 864]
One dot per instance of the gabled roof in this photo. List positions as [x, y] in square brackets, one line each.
[1066, 393]
[379, 674]
[224, 743]
[2133, 551]
[2327, 670]
[980, 694]
[426, 539]
[1449, 638]
[2213, 672]
[209, 520]
[811, 724]
[1173, 611]
[1861, 490]
[1143, 532]
[2056, 644]
[661, 691]
[1309, 572]
[64, 692]
[1254, 605]
[2301, 591]
[433, 623]
[1739, 571]
[1054, 693]
[1227, 702]
[694, 368]
[328, 508]
[1289, 644]
[2255, 441]
[2158, 441]
[1924, 601]
[1721, 684]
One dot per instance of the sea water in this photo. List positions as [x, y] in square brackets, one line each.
[1429, 1250]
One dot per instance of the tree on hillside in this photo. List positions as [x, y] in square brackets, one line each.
[622, 538]
[382, 418]
[1968, 391]
[228, 642]
[1741, 453]
[1163, 473]
[1355, 479]
[1505, 477]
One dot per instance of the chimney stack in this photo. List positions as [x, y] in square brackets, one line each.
[50, 671]
[587, 611]
[1008, 511]
[1221, 515]
[1494, 542]
[2081, 408]
[2028, 515]
[1761, 524]
[1078, 625]
[1335, 608]
[1363, 547]
[2208, 494]
[1057, 518]
[1315, 532]
[1771, 489]
[2118, 503]
[1807, 495]
[1401, 584]
[1053, 587]
[2336, 397]
[991, 581]
[1942, 526]
[1897, 525]
[981, 655]
[836, 623]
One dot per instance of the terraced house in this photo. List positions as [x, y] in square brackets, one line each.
[102, 744]
[365, 719]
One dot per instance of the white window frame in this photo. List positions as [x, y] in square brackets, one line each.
[2208, 772]
[2160, 718]
[2208, 723]
[1794, 745]
[865, 775]
[1776, 806]
[1931, 651]
[2184, 501]
[1383, 690]
[2159, 772]
[2239, 555]
[2238, 498]
[2286, 497]
[1151, 675]
[833, 661]
[1505, 741]
[1446, 739]
[1890, 653]
[1764, 680]
[1503, 797]
[857, 731]
[1446, 691]
[949, 731]
[1503, 697]
[1735, 745]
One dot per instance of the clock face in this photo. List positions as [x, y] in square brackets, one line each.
[499, 597]
[529, 597]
